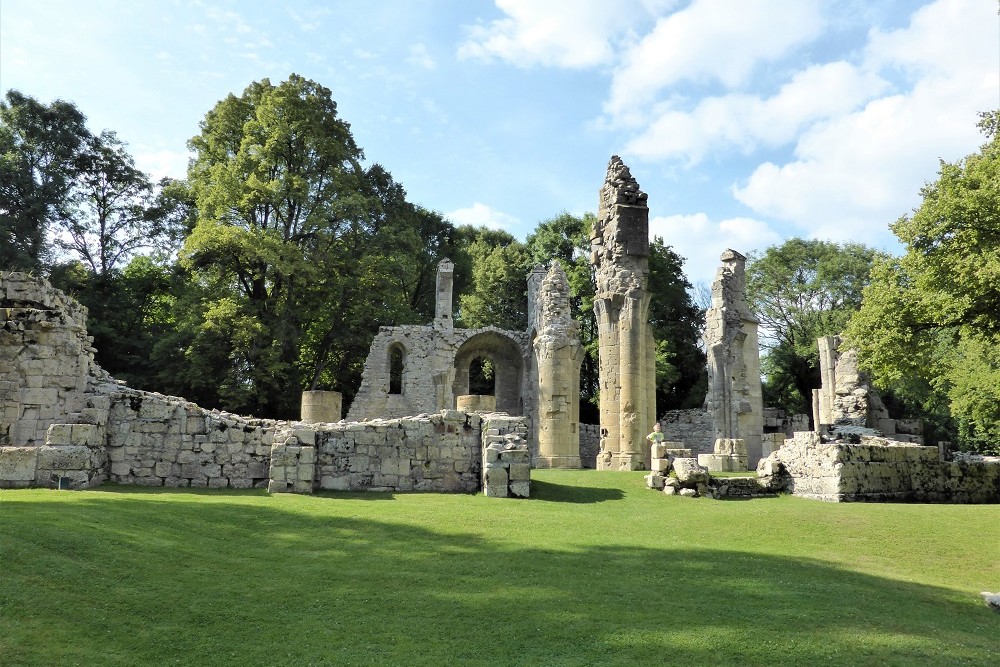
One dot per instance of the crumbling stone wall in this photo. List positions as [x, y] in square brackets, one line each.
[619, 255]
[878, 469]
[848, 398]
[67, 424]
[734, 391]
[695, 428]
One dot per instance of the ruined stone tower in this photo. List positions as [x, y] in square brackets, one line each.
[620, 257]
[558, 355]
[734, 391]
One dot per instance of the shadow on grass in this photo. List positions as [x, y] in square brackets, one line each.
[129, 579]
[562, 493]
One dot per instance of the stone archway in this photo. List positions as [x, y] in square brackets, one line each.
[508, 367]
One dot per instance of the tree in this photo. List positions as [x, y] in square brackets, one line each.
[498, 294]
[802, 290]
[39, 150]
[111, 199]
[681, 373]
[931, 318]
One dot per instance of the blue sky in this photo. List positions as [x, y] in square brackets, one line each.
[746, 121]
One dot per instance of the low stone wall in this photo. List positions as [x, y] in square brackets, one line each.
[692, 427]
[438, 452]
[878, 470]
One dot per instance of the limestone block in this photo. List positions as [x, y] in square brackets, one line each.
[68, 457]
[670, 490]
[655, 480]
[88, 435]
[688, 471]
[660, 465]
[520, 489]
[59, 434]
[677, 453]
[18, 464]
[688, 493]
[496, 476]
[519, 472]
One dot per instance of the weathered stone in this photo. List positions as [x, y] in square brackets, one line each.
[619, 244]
[734, 394]
[689, 472]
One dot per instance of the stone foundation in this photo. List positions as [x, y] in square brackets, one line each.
[878, 470]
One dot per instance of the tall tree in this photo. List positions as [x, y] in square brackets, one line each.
[112, 216]
[498, 293]
[39, 149]
[801, 290]
[931, 318]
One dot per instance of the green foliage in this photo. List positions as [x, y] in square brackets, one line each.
[802, 290]
[241, 577]
[681, 375]
[301, 253]
[932, 317]
[499, 290]
[39, 152]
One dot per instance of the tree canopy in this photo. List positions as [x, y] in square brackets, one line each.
[801, 290]
[930, 320]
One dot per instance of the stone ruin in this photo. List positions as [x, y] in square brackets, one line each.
[847, 403]
[734, 389]
[65, 423]
[620, 258]
[421, 369]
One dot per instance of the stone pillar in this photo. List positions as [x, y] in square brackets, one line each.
[828, 380]
[734, 392]
[321, 406]
[620, 256]
[476, 403]
[558, 355]
[443, 302]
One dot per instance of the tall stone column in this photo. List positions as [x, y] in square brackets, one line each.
[734, 391]
[620, 257]
[443, 295]
[558, 355]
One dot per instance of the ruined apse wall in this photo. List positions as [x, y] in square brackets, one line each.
[734, 390]
[435, 364]
[65, 423]
[620, 258]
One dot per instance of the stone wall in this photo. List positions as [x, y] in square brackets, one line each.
[878, 470]
[67, 424]
[590, 444]
[692, 427]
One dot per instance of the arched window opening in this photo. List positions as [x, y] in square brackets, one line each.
[482, 377]
[396, 370]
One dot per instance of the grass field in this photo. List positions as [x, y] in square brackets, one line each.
[593, 570]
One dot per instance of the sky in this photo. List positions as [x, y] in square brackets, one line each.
[746, 121]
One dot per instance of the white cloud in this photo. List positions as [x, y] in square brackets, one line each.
[702, 241]
[710, 40]
[749, 121]
[481, 215]
[854, 174]
[561, 33]
[420, 57]
[162, 163]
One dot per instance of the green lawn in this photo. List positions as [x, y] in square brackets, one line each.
[593, 570]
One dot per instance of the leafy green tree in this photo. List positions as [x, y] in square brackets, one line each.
[931, 318]
[39, 149]
[681, 374]
[112, 216]
[498, 293]
[802, 290]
